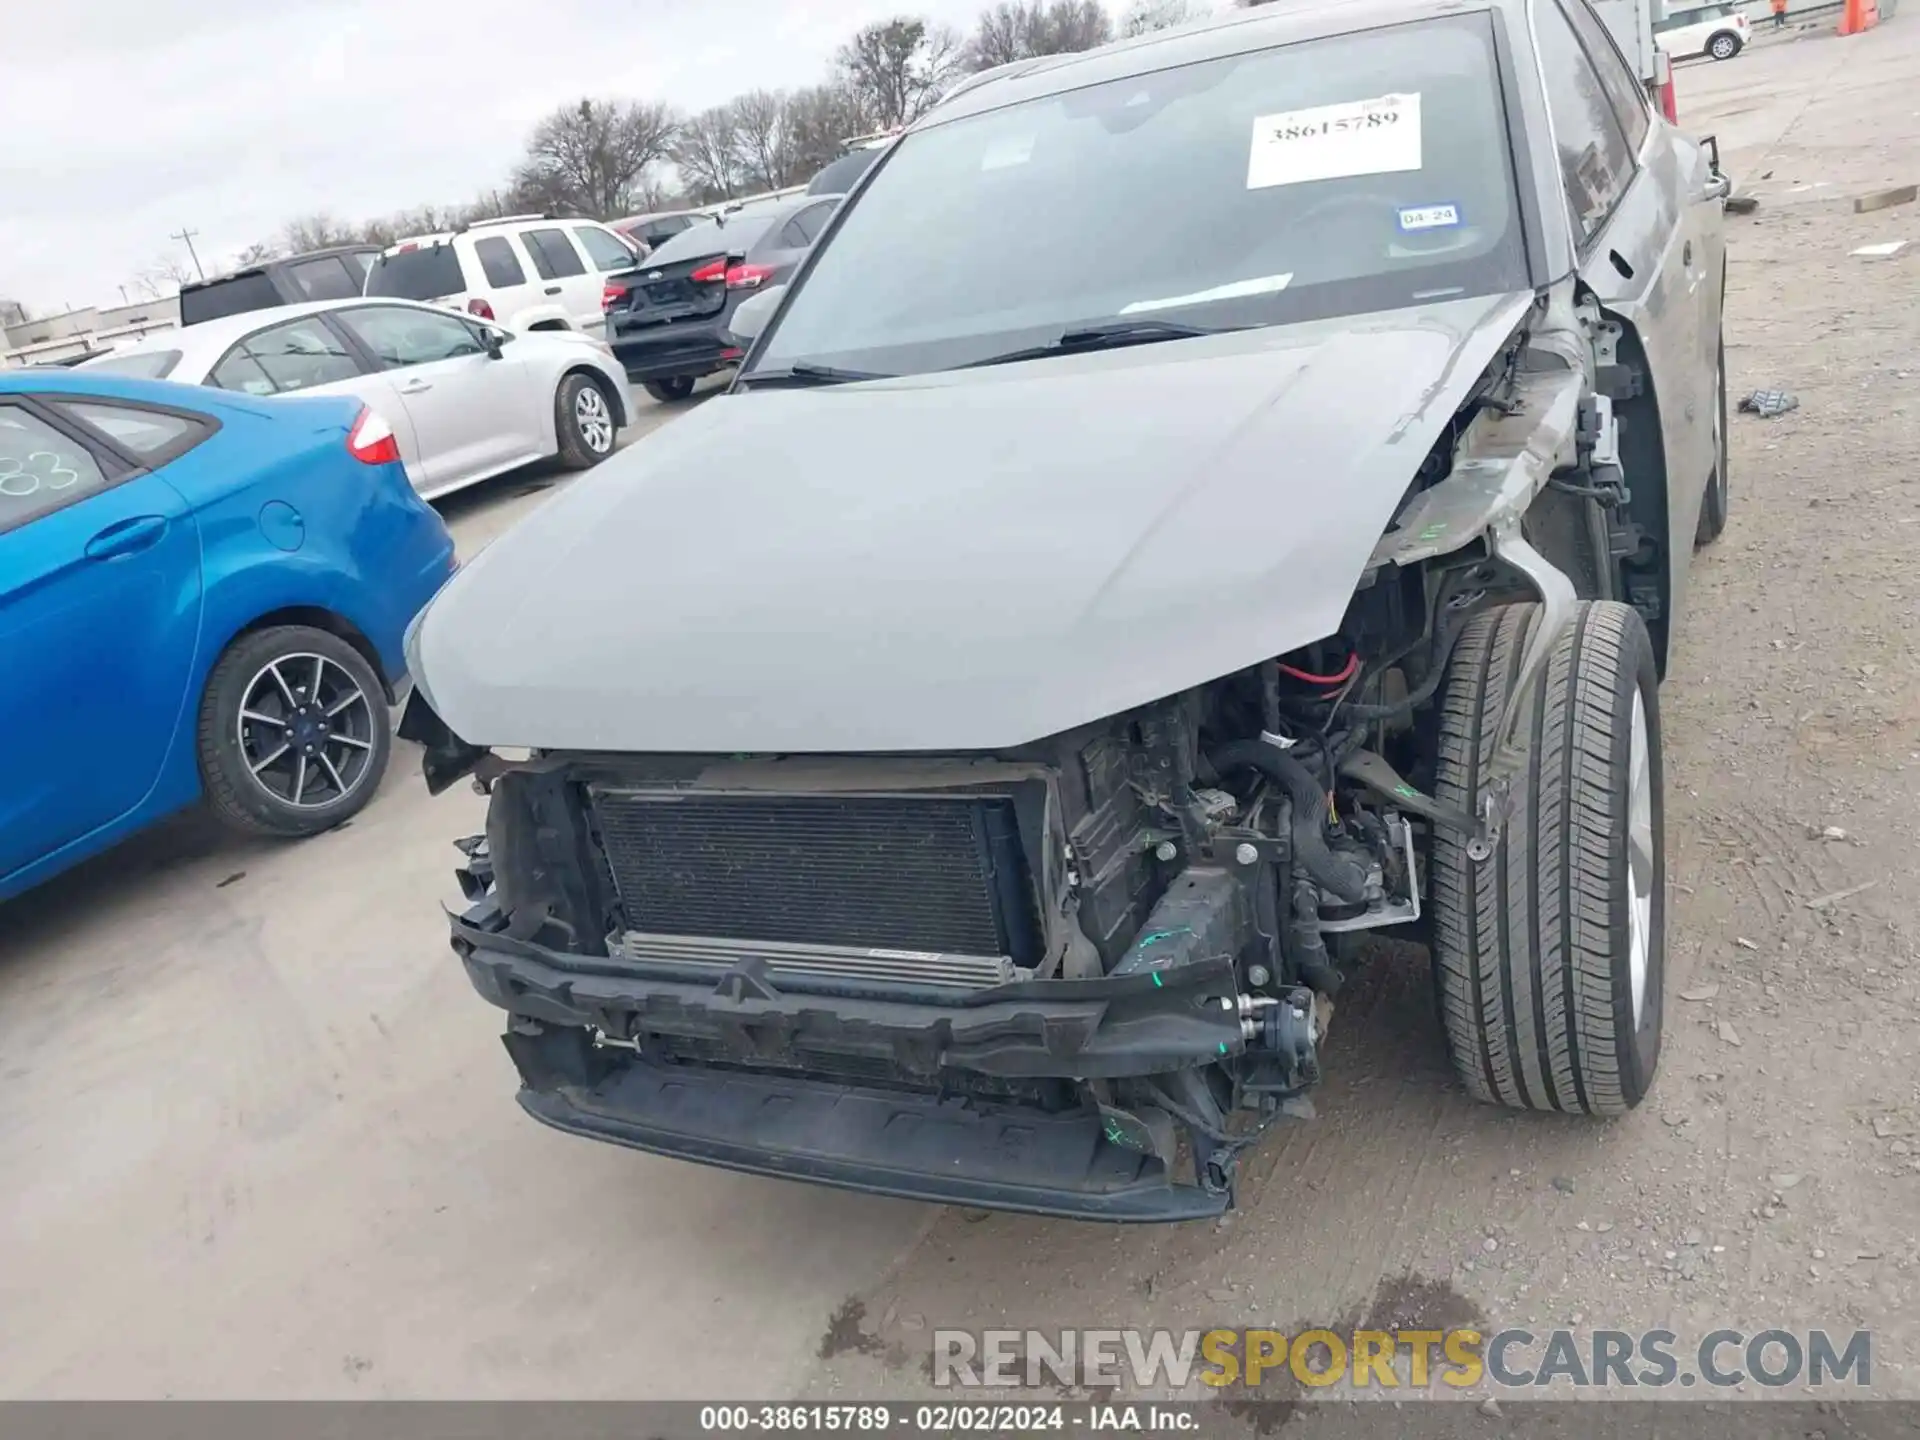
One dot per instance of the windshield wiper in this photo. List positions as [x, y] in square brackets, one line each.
[1106, 337]
[803, 373]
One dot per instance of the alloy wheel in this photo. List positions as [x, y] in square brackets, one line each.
[306, 731]
[594, 420]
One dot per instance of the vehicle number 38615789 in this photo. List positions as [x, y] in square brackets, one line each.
[1342, 125]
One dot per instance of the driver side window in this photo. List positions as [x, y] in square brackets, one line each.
[400, 336]
[1596, 163]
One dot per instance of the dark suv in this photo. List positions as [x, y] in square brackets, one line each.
[667, 318]
[336, 274]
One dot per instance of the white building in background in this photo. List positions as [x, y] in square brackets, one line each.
[79, 333]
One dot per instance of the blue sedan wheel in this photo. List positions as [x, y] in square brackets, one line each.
[294, 732]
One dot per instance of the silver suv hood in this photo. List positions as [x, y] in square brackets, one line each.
[960, 561]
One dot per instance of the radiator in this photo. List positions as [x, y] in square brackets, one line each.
[903, 872]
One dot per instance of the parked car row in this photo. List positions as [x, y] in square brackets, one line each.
[660, 287]
[226, 527]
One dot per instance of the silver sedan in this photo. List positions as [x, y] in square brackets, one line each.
[466, 399]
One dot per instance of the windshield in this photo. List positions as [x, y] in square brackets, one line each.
[145, 364]
[1357, 173]
[735, 237]
[429, 273]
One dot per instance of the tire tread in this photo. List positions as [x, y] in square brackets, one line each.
[1525, 943]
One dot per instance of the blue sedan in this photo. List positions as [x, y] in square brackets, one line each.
[201, 594]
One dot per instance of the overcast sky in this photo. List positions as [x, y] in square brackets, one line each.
[128, 119]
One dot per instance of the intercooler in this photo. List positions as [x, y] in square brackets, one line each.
[928, 888]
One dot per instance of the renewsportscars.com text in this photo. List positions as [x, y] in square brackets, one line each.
[1401, 1359]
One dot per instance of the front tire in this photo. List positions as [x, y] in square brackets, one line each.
[294, 733]
[583, 420]
[1724, 47]
[1549, 957]
[674, 387]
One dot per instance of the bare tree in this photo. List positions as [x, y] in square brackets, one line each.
[490, 206]
[256, 253]
[707, 153]
[317, 231]
[1147, 15]
[420, 220]
[591, 155]
[163, 278]
[1020, 29]
[763, 140]
[654, 193]
[821, 119]
[897, 67]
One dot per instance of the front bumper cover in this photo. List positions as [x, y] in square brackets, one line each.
[915, 1143]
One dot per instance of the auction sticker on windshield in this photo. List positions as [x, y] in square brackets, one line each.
[1380, 136]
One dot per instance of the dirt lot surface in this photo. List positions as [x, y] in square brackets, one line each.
[259, 1136]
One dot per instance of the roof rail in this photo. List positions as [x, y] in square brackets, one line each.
[501, 220]
[875, 139]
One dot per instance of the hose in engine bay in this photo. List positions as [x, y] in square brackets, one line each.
[1445, 633]
[1338, 877]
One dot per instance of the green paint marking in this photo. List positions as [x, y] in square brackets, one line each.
[1223, 1047]
[1116, 1134]
[1433, 532]
[1156, 936]
[1406, 790]
[1156, 980]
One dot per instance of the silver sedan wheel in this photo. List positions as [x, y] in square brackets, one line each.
[306, 731]
[593, 420]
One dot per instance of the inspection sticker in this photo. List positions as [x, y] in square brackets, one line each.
[1357, 137]
[1430, 217]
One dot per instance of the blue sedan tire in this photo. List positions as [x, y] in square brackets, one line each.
[294, 733]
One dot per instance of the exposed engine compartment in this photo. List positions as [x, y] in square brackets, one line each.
[1130, 934]
[1222, 843]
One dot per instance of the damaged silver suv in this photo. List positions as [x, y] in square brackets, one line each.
[1204, 501]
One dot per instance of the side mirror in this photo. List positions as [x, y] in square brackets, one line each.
[752, 315]
[493, 341]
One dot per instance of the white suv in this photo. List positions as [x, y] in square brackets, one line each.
[526, 272]
[1721, 31]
